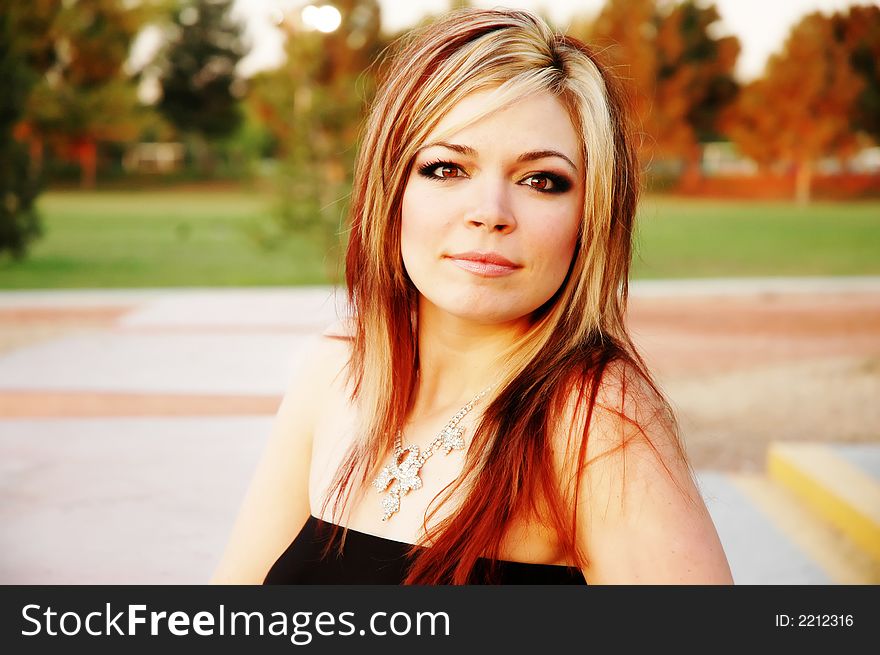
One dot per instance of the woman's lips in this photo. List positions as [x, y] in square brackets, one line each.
[483, 268]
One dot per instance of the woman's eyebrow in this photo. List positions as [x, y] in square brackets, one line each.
[464, 150]
[541, 154]
[531, 155]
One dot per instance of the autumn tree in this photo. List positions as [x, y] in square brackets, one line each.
[201, 90]
[801, 109]
[85, 96]
[680, 73]
[695, 83]
[624, 33]
[858, 30]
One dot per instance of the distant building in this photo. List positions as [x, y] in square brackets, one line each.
[154, 157]
[867, 160]
[723, 158]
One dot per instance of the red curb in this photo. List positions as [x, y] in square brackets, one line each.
[77, 404]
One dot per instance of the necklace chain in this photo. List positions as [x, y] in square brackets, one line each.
[403, 476]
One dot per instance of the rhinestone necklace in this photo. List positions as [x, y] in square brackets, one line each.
[403, 475]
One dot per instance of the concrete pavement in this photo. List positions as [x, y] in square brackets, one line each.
[143, 495]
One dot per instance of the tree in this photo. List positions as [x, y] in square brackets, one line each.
[802, 107]
[681, 76]
[694, 83]
[859, 32]
[314, 106]
[85, 97]
[200, 86]
[25, 52]
[624, 32]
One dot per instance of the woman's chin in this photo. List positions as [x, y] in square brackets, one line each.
[488, 317]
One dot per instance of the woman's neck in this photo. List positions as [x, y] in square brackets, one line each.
[458, 358]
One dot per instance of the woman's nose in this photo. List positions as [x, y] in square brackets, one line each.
[492, 208]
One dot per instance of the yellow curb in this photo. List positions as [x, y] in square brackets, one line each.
[839, 492]
[842, 560]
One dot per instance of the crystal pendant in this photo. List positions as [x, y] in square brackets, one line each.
[405, 477]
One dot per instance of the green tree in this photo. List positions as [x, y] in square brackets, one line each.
[25, 53]
[314, 106]
[201, 89]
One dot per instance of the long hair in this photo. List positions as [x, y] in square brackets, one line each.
[575, 337]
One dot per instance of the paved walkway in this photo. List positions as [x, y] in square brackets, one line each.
[130, 422]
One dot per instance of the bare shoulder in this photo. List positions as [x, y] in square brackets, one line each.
[641, 517]
[342, 328]
[628, 413]
[317, 364]
[277, 501]
[325, 358]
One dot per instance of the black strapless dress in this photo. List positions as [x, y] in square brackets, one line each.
[368, 559]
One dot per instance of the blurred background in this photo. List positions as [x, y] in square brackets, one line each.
[174, 177]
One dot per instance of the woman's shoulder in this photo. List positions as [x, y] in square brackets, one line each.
[342, 328]
[332, 348]
[622, 389]
[617, 413]
[324, 351]
[318, 363]
[641, 517]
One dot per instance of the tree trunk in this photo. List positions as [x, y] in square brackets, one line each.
[204, 155]
[803, 182]
[692, 176]
[35, 148]
[88, 164]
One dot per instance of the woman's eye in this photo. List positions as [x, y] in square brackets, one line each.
[442, 170]
[547, 183]
[446, 171]
[540, 182]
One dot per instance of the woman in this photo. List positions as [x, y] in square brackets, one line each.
[484, 416]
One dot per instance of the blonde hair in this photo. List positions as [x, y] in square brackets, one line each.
[573, 336]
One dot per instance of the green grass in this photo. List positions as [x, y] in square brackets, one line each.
[158, 239]
[178, 238]
[679, 238]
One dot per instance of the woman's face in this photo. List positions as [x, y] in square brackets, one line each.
[510, 185]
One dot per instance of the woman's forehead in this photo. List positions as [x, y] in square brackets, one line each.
[536, 121]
